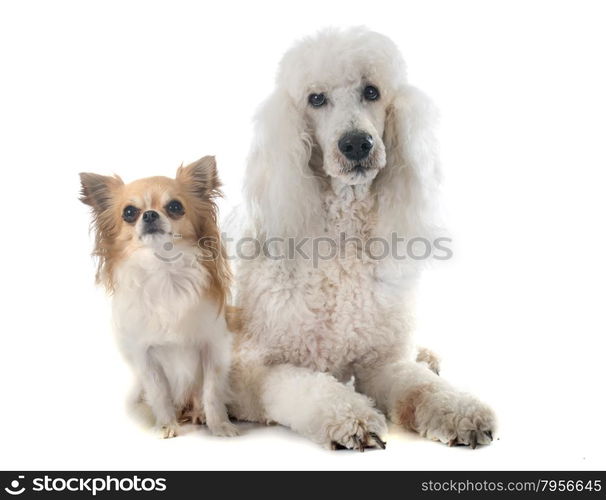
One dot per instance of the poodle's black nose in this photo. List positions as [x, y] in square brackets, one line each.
[355, 145]
[150, 216]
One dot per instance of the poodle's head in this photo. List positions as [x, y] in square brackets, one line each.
[343, 111]
[342, 83]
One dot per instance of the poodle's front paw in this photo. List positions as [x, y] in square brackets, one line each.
[223, 428]
[450, 417]
[355, 426]
[170, 430]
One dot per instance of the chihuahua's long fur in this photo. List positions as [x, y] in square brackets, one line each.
[159, 255]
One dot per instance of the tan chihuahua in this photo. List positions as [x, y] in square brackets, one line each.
[160, 255]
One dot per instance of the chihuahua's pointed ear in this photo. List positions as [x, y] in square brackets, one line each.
[97, 190]
[201, 177]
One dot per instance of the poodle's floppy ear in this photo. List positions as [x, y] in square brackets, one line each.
[280, 187]
[201, 178]
[408, 185]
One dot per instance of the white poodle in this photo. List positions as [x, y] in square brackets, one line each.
[341, 185]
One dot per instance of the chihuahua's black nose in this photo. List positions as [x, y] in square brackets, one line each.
[355, 145]
[150, 216]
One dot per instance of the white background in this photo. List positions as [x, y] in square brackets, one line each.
[137, 88]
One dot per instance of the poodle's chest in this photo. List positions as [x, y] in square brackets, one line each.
[326, 317]
[326, 309]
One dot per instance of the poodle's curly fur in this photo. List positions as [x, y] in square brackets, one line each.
[311, 325]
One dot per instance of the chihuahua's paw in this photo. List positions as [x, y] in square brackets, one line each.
[193, 416]
[225, 429]
[168, 431]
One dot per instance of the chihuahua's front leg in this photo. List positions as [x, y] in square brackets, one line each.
[156, 391]
[216, 358]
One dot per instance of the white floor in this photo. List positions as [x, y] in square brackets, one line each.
[116, 443]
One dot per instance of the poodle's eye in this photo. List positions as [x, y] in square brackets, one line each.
[175, 208]
[316, 100]
[130, 214]
[371, 93]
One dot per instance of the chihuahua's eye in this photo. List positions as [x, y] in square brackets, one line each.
[371, 93]
[317, 100]
[175, 208]
[130, 213]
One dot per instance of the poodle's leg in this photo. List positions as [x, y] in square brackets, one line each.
[313, 404]
[415, 397]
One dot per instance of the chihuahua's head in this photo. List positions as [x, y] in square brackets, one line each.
[151, 212]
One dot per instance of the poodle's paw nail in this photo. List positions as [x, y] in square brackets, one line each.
[473, 439]
[379, 442]
[358, 444]
[225, 429]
